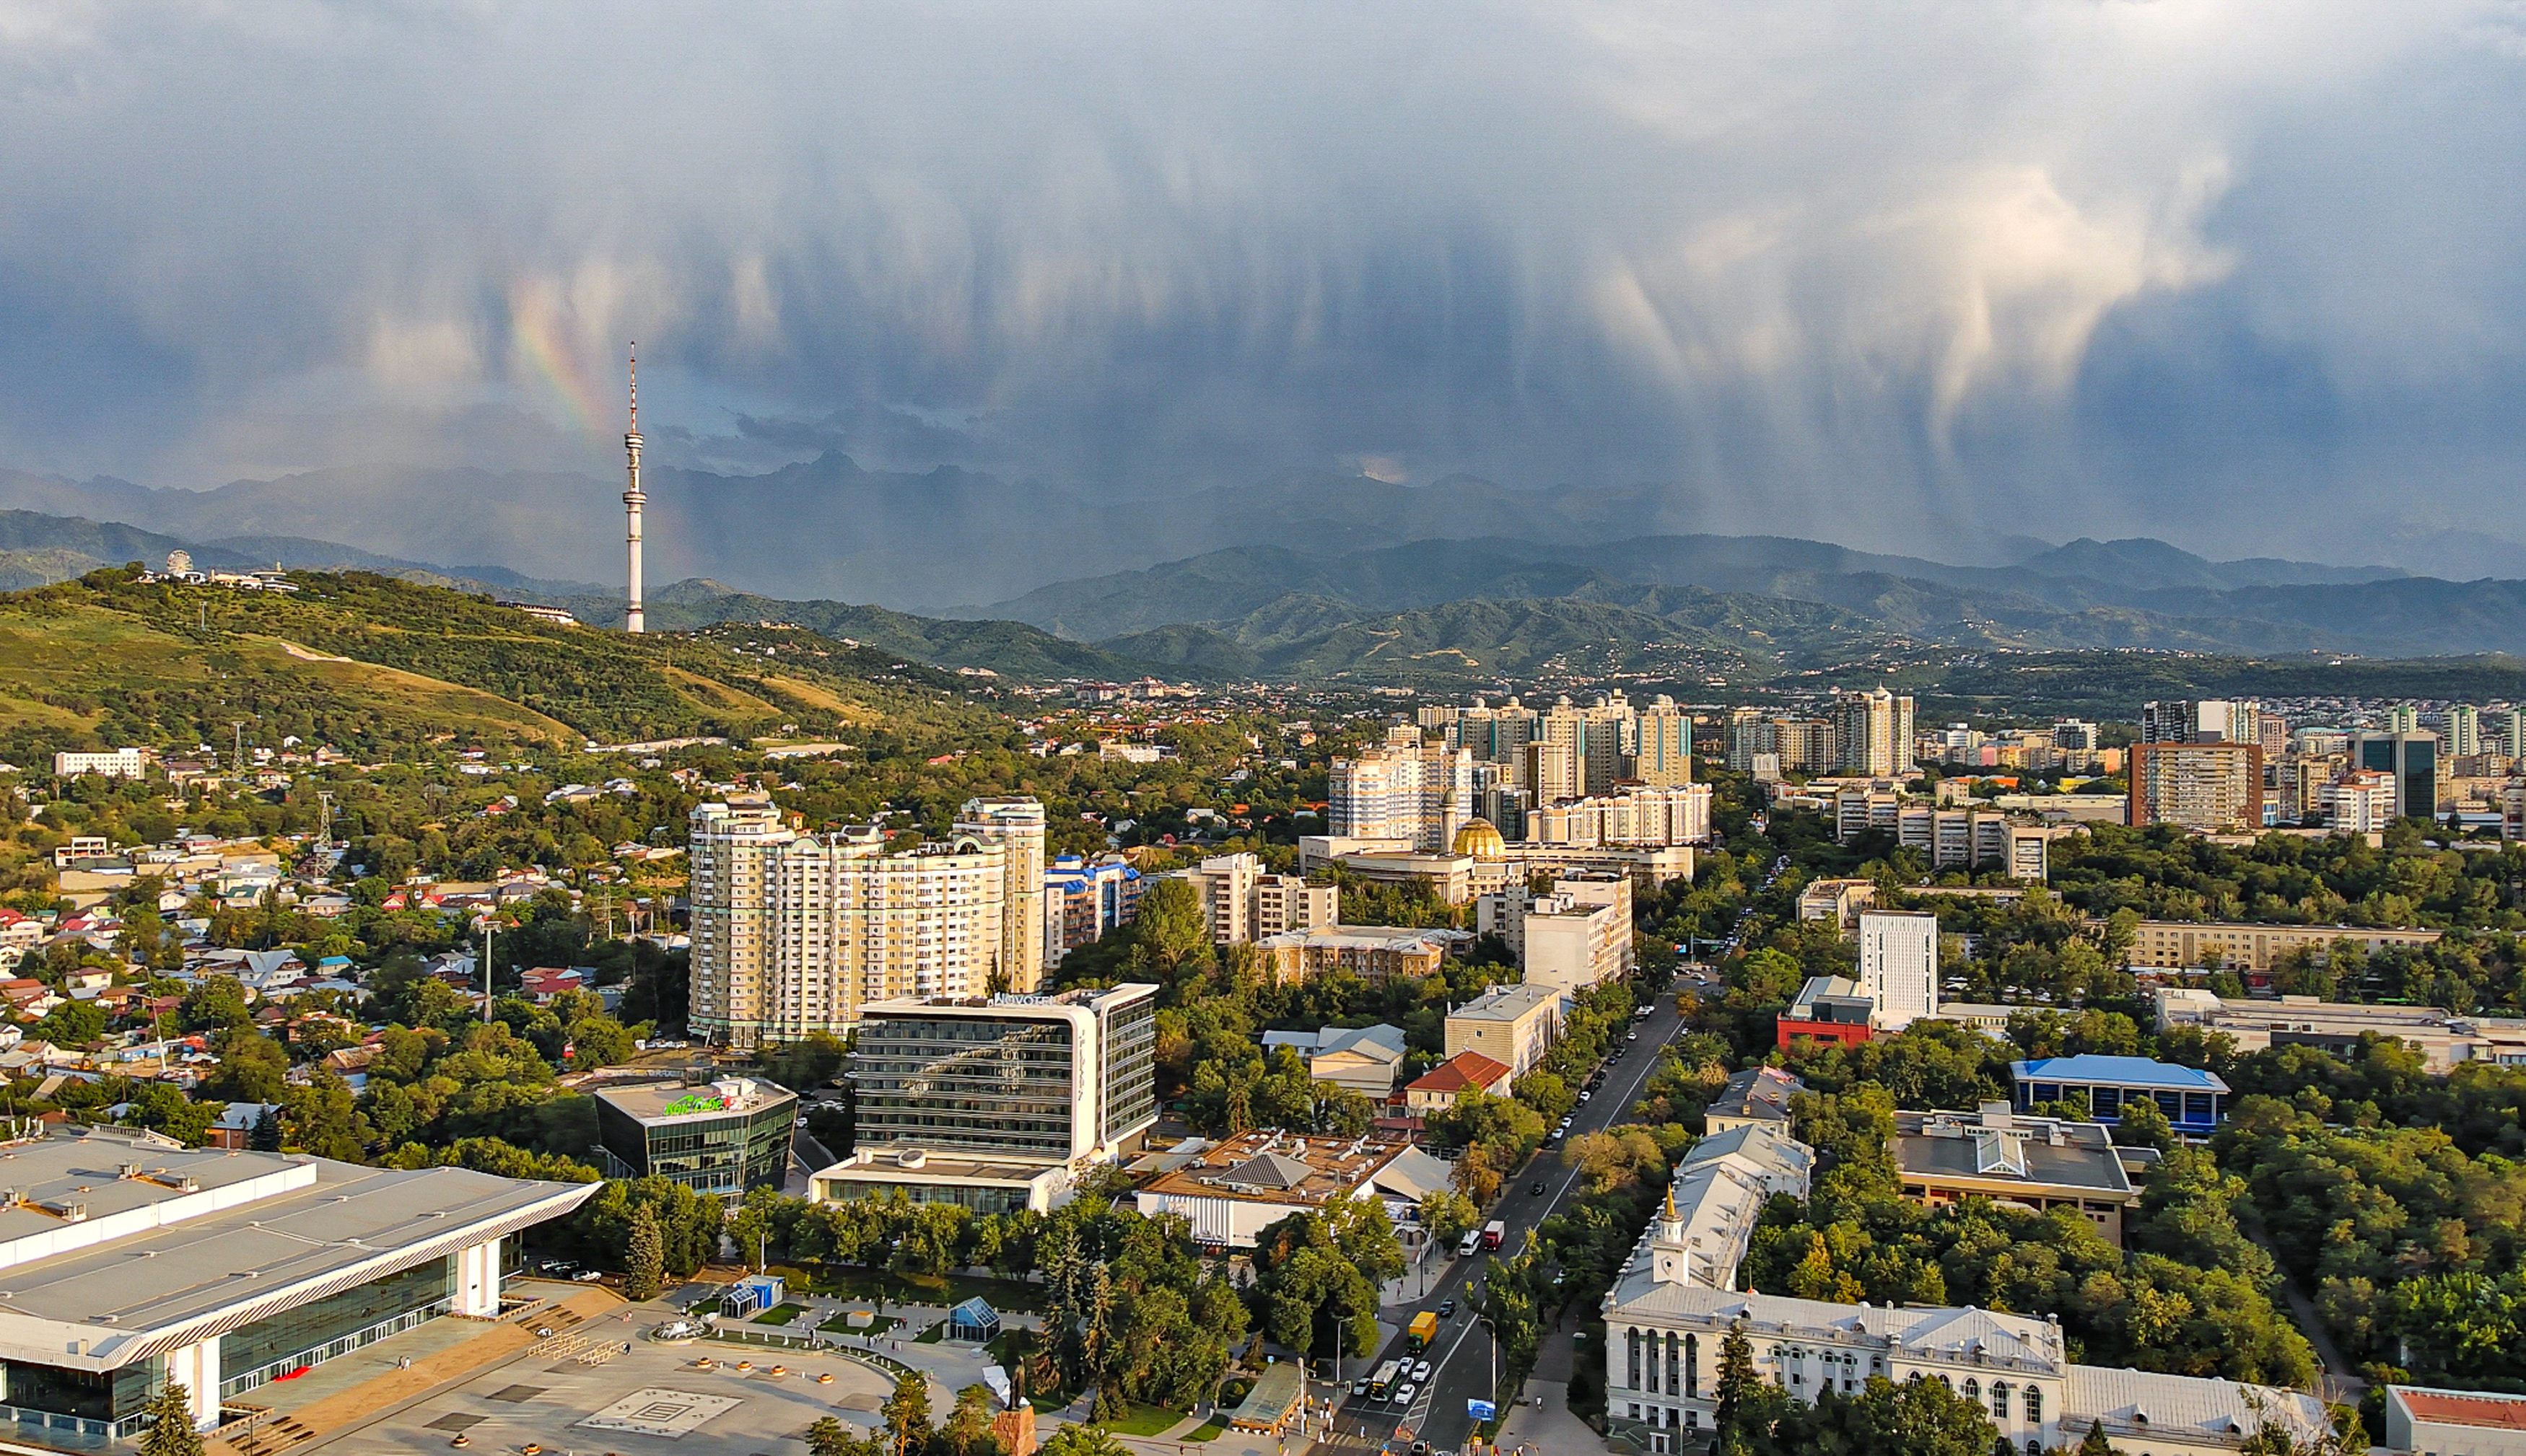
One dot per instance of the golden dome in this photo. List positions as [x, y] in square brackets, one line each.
[1481, 839]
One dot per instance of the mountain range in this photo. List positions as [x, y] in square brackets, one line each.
[1302, 576]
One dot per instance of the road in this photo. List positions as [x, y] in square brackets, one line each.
[1462, 1356]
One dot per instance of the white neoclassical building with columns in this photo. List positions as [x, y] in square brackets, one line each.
[1674, 1304]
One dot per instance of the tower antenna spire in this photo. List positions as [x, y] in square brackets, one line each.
[633, 620]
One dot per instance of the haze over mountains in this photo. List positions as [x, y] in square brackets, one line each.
[1302, 575]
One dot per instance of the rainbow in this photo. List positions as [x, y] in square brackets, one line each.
[537, 334]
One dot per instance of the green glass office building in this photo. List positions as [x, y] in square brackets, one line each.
[725, 1137]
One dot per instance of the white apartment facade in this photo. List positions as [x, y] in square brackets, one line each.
[1244, 903]
[1634, 813]
[794, 933]
[1405, 790]
[1898, 965]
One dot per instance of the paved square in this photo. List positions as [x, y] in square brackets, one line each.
[654, 1411]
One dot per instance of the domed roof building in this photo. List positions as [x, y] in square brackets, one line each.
[1481, 839]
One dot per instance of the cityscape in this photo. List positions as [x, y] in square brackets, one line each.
[1767, 731]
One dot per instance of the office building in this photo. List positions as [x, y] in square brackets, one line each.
[1827, 1008]
[2045, 1163]
[2411, 759]
[794, 933]
[1662, 752]
[1512, 1025]
[133, 1261]
[1420, 794]
[119, 763]
[1083, 902]
[2204, 786]
[727, 1137]
[995, 1103]
[2443, 1038]
[1898, 965]
[2251, 946]
[1244, 903]
[2193, 1100]
[1873, 732]
[1665, 1325]
[2420, 1419]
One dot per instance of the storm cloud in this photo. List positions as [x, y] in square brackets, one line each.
[2241, 274]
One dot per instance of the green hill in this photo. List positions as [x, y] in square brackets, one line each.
[371, 664]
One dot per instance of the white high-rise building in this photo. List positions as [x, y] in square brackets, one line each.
[794, 933]
[1898, 965]
[1405, 789]
[1662, 752]
[1874, 734]
[1244, 903]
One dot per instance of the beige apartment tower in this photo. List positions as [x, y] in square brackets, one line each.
[794, 933]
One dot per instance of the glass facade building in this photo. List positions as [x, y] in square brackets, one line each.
[710, 1140]
[1032, 1078]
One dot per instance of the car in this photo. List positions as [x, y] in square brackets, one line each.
[1447, 1309]
[1421, 1370]
[1585, 1093]
[588, 1275]
[1420, 1448]
[1359, 1387]
[1404, 1392]
[1535, 1187]
[1631, 1036]
[558, 1267]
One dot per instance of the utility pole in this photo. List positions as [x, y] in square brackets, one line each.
[487, 971]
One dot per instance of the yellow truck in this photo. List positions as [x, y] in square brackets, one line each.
[1424, 1328]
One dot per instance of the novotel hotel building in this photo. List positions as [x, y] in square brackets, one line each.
[128, 1261]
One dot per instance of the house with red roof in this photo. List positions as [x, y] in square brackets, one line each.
[1466, 1072]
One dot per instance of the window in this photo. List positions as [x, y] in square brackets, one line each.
[1999, 1400]
[1973, 1390]
[1692, 1367]
[1674, 1351]
[1631, 1379]
[2034, 1406]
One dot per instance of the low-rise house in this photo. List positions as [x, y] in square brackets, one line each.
[2193, 1100]
[2454, 1423]
[1363, 1059]
[1441, 1085]
[1756, 1098]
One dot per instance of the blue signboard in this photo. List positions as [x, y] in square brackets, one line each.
[1481, 1410]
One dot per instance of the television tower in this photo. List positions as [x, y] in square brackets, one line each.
[634, 500]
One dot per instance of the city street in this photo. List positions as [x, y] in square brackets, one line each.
[1462, 1356]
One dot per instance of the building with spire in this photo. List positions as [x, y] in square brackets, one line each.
[632, 501]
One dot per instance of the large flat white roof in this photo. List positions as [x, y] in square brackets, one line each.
[124, 1247]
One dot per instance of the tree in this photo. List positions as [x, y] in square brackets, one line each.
[170, 1431]
[830, 1438]
[906, 1414]
[1447, 1214]
[1921, 1417]
[1170, 929]
[644, 1256]
[1737, 1383]
[968, 1432]
[2093, 1443]
[264, 1136]
[1084, 1440]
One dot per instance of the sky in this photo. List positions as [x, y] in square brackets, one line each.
[2248, 276]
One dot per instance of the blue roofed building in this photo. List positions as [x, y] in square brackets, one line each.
[2192, 1100]
[974, 1322]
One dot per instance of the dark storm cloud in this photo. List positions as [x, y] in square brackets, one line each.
[1841, 268]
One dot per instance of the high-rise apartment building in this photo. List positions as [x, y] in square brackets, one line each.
[1662, 755]
[2464, 738]
[1898, 966]
[1083, 901]
[2412, 759]
[2402, 719]
[1493, 734]
[2199, 785]
[1634, 813]
[2206, 721]
[794, 933]
[1015, 823]
[1242, 902]
[2508, 724]
[1873, 732]
[1405, 790]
